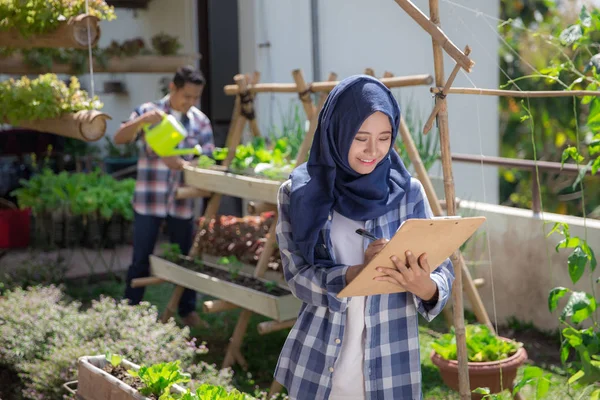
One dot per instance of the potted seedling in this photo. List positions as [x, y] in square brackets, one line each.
[493, 360]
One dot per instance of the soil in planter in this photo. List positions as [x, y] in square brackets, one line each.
[238, 279]
[121, 374]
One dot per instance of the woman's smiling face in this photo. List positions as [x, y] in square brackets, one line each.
[371, 143]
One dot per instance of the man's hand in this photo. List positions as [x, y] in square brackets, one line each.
[175, 163]
[152, 117]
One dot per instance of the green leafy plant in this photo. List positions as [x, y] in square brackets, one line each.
[210, 392]
[171, 252]
[270, 286]
[580, 307]
[113, 359]
[205, 161]
[159, 378]
[42, 98]
[482, 345]
[129, 150]
[165, 44]
[428, 146]
[41, 16]
[234, 265]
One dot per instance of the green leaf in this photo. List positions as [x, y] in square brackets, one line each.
[564, 351]
[569, 243]
[524, 118]
[595, 395]
[542, 388]
[560, 227]
[592, 86]
[596, 166]
[570, 35]
[578, 375]
[577, 262]
[555, 295]
[571, 152]
[585, 17]
[481, 390]
[579, 307]
[590, 254]
[581, 174]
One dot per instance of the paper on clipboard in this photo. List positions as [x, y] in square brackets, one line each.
[438, 237]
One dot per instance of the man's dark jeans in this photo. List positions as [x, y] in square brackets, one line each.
[145, 233]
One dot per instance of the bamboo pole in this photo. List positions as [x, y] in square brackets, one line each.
[188, 192]
[270, 246]
[370, 72]
[172, 305]
[432, 27]
[457, 292]
[314, 120]
[235, 342]
[213, 306]
[274, 326]
[387, 74]
[518, 93]
[259, 207]
[399, 81]
[436, 109]
[303, 93]
[254, 79]
[146, 281]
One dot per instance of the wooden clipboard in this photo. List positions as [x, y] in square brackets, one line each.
[438, 237]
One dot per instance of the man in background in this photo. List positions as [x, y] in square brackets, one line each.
[159, 177]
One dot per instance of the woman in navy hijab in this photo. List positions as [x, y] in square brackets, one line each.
[364, 347]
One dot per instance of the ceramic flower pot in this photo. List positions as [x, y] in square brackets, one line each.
[496, 375]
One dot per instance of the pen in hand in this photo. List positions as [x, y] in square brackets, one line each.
[367, 234]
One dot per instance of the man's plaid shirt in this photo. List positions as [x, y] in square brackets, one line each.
[156, 184]
[392, 368]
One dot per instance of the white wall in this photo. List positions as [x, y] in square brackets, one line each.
[355, 34]
[176, 18]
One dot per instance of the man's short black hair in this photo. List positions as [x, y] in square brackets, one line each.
[188, 74]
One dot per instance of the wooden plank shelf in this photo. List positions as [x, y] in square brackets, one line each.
[72, 33]
[279, 308]
[230, 184]
[16, 65]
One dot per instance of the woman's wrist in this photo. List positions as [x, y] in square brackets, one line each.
[352, 272]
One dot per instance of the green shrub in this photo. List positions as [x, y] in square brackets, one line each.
[42, 336]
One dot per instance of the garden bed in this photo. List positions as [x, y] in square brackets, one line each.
[264, 297]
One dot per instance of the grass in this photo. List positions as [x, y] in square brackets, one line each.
[262, 352]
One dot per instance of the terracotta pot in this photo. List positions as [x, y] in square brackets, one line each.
[482, 374]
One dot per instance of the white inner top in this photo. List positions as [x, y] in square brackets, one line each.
[348, 381]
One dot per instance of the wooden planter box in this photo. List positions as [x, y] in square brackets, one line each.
[71, 34]
[87, 125]
[247, 269]
[232, 185]
[136, 64]
[96, 384]
[279, 308]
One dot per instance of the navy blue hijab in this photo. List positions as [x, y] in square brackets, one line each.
[326, 181]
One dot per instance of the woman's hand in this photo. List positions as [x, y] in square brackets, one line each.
[372, 250]
[412, 276]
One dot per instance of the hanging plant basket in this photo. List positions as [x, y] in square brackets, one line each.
[495, 375]
[72, 33]
[87, 125]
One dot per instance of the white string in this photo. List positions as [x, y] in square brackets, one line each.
[487, 236]
[91, 60]
[475, 11]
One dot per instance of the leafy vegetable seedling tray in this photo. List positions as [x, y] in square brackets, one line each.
[279, 304]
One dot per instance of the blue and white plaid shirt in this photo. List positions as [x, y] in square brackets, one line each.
[392, 368]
